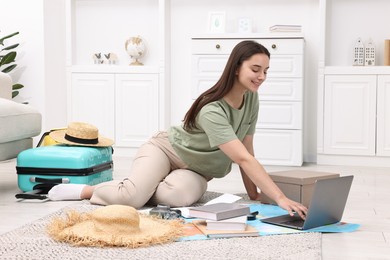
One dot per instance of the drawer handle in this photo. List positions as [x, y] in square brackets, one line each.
[273, 46]
[218, 46]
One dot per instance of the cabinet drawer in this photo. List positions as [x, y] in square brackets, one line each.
[285, 74]
[285, 66]
[280, 65]
[225, 46]
[286, 89]
[208, 65]
[280, 115]
[278, 147]
[200, 85]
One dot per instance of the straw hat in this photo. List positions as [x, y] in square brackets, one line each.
[114, 225]
[81, 134]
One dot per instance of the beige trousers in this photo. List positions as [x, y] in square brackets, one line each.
[157, 176]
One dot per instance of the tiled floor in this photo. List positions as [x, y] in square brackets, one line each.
[368, 204]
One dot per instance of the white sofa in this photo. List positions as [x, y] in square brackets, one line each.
[18, 122]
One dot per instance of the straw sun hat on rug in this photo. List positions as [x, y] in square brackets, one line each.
[114, 225]
[83, 134]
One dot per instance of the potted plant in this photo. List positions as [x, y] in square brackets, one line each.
[7, 60]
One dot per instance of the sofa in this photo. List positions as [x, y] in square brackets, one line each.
[18, 122]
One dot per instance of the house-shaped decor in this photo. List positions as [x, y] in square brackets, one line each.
[358, 53]
[369, 54]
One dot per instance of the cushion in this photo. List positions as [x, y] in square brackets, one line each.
[10, 150]
[18, 121]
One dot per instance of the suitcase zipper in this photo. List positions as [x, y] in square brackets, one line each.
[65, 171]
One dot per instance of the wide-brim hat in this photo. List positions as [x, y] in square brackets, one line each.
[81, 134]
[114, 226]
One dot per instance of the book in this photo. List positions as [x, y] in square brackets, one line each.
[285, 28]
[218, 211]
[250, 231]
[236, 223]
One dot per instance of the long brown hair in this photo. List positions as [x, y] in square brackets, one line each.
[240, 53]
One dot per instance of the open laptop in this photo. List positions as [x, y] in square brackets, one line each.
[326, 206]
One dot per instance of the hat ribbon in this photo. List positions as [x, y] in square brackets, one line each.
[81, 140]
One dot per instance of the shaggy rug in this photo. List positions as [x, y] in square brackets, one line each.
[32, 242]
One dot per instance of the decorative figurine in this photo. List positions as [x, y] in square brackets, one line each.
[369, 53]
[97, 58]
[136, 48]
[358, 51]
[111, 58]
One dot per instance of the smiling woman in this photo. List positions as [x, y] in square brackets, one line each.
[173, 168]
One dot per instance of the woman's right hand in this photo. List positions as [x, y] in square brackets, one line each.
[292, 206]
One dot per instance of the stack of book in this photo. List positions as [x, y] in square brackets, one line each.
[223, 220]
[237, 223]
[285, 28]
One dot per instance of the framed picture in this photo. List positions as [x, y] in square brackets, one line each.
[244, 25]
[217, 21]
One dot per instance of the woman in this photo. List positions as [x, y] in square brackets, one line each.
[173, 167]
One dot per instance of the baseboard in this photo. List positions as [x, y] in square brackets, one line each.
[345, 160]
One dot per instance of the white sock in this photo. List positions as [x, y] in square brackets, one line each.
[66, 192]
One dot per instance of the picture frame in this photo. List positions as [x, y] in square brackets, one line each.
[245, 25]
[217, 22]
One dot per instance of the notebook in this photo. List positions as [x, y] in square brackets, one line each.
[326, 206]
[219, 211]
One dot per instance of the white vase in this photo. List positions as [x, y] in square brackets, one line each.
[5, 86]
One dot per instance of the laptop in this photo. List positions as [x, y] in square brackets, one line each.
[326, 206]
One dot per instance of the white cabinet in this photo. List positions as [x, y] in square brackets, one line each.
[124, 106]
[92, 100]
[127, 103]
[278, 137]
[383, 116]
[353, 110]
[136, 108]
[356, 117]
[349, 116]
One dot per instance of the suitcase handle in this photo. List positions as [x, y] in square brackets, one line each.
[53, 181]
[30, 196]
[34, 194]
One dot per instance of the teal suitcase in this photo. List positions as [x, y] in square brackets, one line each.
[39, 169]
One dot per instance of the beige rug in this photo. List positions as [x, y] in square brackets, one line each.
[31, 242]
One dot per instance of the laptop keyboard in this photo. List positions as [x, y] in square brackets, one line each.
[295, 222]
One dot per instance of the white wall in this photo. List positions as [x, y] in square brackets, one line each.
[54, 64]
[26, 17]
[349, 20]
[189, 18]
[41, 54]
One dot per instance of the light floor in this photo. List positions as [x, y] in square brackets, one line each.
[368, 205]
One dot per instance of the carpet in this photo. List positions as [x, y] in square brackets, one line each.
[31, 242]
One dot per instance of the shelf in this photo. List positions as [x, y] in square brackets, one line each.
[100, 26]
[359, 70]
[113, 69]
[270, 35]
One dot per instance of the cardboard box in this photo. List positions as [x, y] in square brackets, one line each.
[297, 185]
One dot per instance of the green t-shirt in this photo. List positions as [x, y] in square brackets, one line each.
[218, 123]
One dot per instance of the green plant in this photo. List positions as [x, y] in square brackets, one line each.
[8, 60]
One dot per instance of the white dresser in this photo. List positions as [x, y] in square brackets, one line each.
[278, 138]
